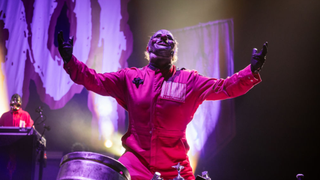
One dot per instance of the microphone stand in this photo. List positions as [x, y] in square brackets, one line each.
[41, 148]
[43, 155]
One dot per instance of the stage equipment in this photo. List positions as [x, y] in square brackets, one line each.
[299, 176]
[156, 176]
[91, 166]
[179, 168]
[19, 150]
[204, 176]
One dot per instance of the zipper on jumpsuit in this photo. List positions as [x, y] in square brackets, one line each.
[157, 84]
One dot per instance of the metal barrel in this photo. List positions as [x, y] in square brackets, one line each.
[91, 166]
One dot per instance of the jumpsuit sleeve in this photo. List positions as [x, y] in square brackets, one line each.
[1, 121]
[29, 121]
[106, 84]
[233, 86]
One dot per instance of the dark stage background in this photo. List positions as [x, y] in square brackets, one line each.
[277, 123]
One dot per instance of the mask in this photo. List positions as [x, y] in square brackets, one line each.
[15, 102]
[162, 43]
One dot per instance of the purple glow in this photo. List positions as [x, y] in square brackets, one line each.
[99, 42]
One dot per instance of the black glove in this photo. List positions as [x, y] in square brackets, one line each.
[258, 59]
[65, 48]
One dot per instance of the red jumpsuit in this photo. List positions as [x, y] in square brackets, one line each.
[159, 110]
[16, 119]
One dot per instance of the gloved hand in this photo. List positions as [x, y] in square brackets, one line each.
[65, 48]
[258, 59]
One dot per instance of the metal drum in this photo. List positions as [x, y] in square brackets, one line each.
[91, 166]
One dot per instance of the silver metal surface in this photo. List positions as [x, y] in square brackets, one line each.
[91, 166]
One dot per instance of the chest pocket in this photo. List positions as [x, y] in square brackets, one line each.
[173, 91]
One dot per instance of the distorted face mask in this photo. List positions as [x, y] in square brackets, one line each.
[162, 44]
[15, 102]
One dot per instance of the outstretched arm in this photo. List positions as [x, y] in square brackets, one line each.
[258, 59]
[106, 84]
[236, 85]
[103, 84]
[65, 48]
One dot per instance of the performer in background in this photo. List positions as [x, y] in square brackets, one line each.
[16, 117]
[161, 100]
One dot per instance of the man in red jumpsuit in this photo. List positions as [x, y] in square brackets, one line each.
[16, 117]
[161, 100]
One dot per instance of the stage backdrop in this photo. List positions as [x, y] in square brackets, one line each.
[103, 40]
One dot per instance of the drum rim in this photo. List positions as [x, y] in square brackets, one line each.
[97, 157]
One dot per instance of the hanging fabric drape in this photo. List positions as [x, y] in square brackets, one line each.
[208, 48]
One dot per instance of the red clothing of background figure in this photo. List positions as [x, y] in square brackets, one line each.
[160, 105]
[16, 119]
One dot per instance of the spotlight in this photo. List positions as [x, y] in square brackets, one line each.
[108, 143]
